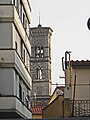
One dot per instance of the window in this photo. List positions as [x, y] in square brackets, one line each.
[13, 2]
[20, 10]
[21, 48]
[25, 27]
[22, 51]
[23, 96]
[23, 20]
[27, 61]
[39, 72]
[39, 51]
[20, 91]
[28, 28]
[42, 51]
[16, 3]
[24, 55]
[16, 45]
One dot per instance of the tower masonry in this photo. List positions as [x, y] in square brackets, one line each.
[41, 62]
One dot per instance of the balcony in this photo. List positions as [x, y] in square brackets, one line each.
[81, 108]
[10, 58]
[12, 107]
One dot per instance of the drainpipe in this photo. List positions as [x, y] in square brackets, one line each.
[74, 90]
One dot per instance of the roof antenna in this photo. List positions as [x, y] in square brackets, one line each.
[39, 20]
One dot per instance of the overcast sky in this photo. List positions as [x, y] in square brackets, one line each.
[68, 19]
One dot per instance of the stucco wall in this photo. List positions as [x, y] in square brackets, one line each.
[5, 35]
[6, 81]
[6, 1]
[82, 84]
[57, 108]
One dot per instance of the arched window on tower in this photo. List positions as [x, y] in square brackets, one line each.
[42, 51]
[39, 72]
[39, 51]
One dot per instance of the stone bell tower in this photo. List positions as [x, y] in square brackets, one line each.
[41, 62]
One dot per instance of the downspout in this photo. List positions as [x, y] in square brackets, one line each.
[74, 90]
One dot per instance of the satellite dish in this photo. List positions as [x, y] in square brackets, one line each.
[88, 23]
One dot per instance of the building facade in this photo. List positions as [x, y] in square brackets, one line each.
[80, 80]
[59, 90]
[77, 87]
[41, 63]
[15, 52]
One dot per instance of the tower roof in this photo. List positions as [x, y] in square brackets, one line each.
[41, 29]
[39, 25]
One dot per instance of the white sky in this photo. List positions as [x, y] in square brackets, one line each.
[68, 19]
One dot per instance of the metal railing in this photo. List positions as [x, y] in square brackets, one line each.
[81, 108]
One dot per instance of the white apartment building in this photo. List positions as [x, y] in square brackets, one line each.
[15, 52]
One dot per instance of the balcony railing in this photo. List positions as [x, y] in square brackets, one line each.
[81, 108]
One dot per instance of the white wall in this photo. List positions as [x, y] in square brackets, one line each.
[82, 84]
[5, 35]
[6, 81]
[8, 104]
[5, 1]
[16, 37]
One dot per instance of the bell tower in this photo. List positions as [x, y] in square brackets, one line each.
[41, 62]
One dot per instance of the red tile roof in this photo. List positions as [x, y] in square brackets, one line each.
[37, 106]
[37, 110]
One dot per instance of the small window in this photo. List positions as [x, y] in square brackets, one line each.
[23, 20]
[20, 91]
[23, 96]
[39, 51]
[39, 72]
[21, 48]
[16, 2]
[42, 51]
[16, 45]
[24, 55]
[20, 10]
